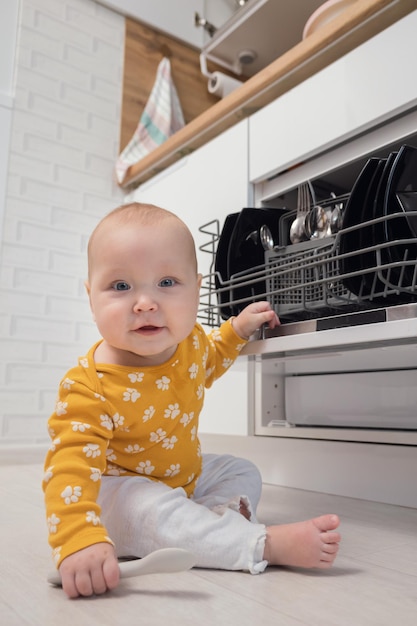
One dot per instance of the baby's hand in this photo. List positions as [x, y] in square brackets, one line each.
[252, 317]
[92, 570]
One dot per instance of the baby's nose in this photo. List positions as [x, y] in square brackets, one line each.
[145, 302]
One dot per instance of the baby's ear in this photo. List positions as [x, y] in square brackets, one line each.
[88, 289]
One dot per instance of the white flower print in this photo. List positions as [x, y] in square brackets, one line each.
[196, 342]
[173, 470]
[100, 397]
[136, 377]
[118, 420]
[216, 335]
[193, 370]
[95, 475]
[56, 554]
[169, 442]
[158, 436]
[172, 411]
[227, 363]
[92, 518]
[240, 346]
[190, 478]
[53, 522]
[92, 450]
[48, 474]
[131, 395]
[83, 362]
[80, 427]
[61, 407]
[135, 449]
[200, 391]
[149, 413]
[70, 495]
[54, 444]
[193, 433]
[113, 470]
[67, 382]
[106, 422]
[175, 363]
[163, 383]
[110, 456]
[209, 372]
[186, 418]
[205, 357]
[145, 467]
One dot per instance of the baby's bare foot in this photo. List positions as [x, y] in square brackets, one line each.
[313, 543]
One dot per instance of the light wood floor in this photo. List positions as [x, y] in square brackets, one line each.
[373, 583]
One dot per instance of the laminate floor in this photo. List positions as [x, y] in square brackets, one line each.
[374, 581]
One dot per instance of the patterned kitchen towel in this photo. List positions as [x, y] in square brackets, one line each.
[161, 118]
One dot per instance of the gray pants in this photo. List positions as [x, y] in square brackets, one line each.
[142, 515]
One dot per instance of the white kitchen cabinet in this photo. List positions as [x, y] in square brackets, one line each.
[209, 184]
[372, 83]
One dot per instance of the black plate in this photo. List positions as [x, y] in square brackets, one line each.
[367, 233]
[401, 197]
[349, 242]
[246, 252]
[221, 263]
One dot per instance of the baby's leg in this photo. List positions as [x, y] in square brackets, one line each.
[142, 515]
[313, 543]
[227, 481]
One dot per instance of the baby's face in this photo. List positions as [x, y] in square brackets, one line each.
[143, 289]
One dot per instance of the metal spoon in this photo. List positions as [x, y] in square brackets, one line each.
[317, 223]
[297, 228]
[336, 218]
[163, 561]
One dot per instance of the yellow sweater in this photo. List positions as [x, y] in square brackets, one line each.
[117, 420]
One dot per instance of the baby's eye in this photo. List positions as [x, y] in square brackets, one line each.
[121, 285]
[167, 282]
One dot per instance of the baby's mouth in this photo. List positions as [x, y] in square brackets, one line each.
[148, 330]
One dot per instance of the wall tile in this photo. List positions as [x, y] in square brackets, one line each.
[64, 143]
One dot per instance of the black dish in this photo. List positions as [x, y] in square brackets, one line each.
[221, 264]
[367, 233]
[246, 252]
[401, 198]
[349, 242]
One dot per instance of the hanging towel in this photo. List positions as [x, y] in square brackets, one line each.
[161, 118]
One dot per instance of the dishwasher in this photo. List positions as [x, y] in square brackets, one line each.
[343, 364]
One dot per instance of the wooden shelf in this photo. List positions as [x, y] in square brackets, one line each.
[363, 20]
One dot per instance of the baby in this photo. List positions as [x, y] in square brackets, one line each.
[125, 474]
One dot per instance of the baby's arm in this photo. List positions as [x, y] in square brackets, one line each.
[253, 317]
[93, 570]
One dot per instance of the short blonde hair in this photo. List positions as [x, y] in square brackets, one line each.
[142, 214]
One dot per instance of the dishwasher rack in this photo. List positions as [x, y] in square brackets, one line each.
[315, 278]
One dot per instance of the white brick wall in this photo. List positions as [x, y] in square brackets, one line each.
[65, 132]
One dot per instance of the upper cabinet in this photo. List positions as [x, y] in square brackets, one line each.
[258, 33]
[372, 83]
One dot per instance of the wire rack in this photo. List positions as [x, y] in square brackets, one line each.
[316, 278]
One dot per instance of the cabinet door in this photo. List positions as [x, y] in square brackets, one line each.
[209, 184]
[372, 83]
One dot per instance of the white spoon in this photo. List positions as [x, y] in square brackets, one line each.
[161, 561]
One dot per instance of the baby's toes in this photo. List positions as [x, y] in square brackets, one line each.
[331, 537]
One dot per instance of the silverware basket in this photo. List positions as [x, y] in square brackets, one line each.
[317, 278]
